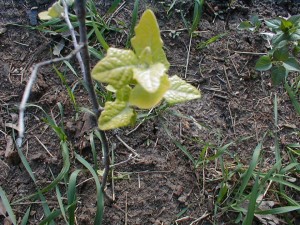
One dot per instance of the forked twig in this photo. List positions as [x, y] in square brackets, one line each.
[82, 55]
[21, 124]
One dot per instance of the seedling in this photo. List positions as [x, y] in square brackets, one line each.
[284, 43]
[139, 78]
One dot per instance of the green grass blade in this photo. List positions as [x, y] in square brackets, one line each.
[94, 152]
[277, 149]
[291, 201]
[51, 217]
[26, 216]
[7, 206]
[60, 203]
[275, 110]
[60, 176]
[45, 207]
[285, 183]
[270, 173]
[91, 6]
[113, 6]
[293, 98]
[100, 198]
[94, 52]
[171, 6]
[220, 151]
[279, 210]
[185, 22]
[64, 170]
[69, 90]
[204, 44]
[70, 67]
[29, 171]
[289, 167]
[180, 146]
[247, 175]
[185, 151]
[222, 193]
[252, 202]
[198, 11]
[99, 36]
[72, 196]
[133, 22]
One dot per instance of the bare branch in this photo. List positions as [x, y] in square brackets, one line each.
[21, 126]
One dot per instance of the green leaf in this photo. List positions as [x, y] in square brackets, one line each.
[291, 64]
[281, 54]
[99, 36]
[273, 23]
[285, 25]
[116, 68]
[145, 100]
[7, 206]
[198, 12]
[255, 20]
[264, 63]
[146, 56]
[222, 193]
[295, 36]
[245, 25]
[123, 93]
[296, 50]
[116, 114]
[293, 97]
[149, 77]
[55, 10]
[282, 44]
[279, 210]
[147, 34]
[180, 91]
[278, 74]
[295, 19]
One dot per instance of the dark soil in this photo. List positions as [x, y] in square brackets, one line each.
[160, 185]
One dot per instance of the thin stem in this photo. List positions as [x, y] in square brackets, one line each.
[21, 126]
[81, 14]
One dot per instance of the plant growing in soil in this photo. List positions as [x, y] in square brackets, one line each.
[139, 78]
[284, 43]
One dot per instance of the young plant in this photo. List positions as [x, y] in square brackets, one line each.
[286, 34]
[139, 78]
[284, 41]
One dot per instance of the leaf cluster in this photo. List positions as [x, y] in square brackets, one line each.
[139, 77]
[284, 39]
[284, 42]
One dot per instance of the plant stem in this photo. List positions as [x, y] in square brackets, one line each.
[81, 14]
